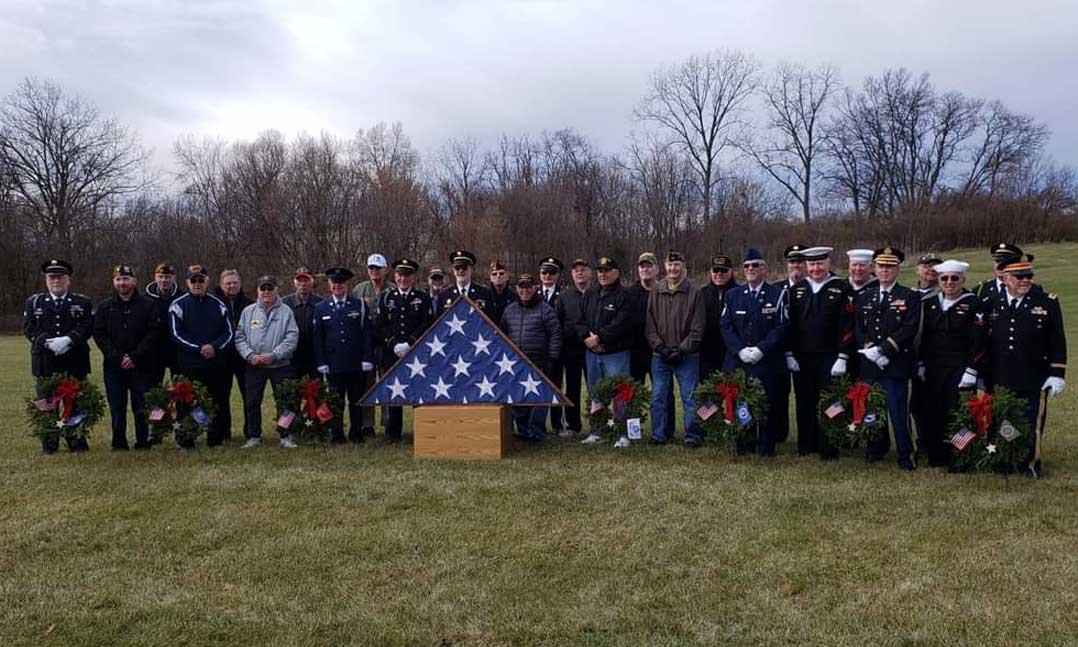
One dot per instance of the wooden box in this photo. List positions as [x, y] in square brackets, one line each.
[469, 432]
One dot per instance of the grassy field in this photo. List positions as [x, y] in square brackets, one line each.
[559, 545]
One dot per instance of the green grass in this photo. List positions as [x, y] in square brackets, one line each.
[562, 545]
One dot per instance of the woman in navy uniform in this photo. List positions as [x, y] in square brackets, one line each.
[754, 329]
[59, 323]
[886, 318]
[344, 348]
[1028, 347]
[951, 351]
[404, 314]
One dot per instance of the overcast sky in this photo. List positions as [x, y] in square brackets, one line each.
[483, 68]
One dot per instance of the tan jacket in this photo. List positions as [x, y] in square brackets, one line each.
[676, 318]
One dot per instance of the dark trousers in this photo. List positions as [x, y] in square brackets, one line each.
[236, 369]
[1036, 416]
[218, 382]
[780, 416]
[350, 386]
[119, 384]
[709, 364]
[255, 384]
[939, 394]
[814, 377]
[50, 445]
[575, 373]
[898, 392]
[639, 370]
[305, 370]
[556, 374]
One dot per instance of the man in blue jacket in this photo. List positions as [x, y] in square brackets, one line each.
[344, 348]
[202, 331]
[753, 328]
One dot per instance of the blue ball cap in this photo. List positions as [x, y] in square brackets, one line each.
[753, 254]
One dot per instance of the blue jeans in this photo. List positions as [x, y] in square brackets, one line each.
[687, 373]
[605, 365]
[531, 422]
[898, 393]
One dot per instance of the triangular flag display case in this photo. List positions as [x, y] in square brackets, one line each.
[462, 376]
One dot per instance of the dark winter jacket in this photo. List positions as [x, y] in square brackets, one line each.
[534, 328]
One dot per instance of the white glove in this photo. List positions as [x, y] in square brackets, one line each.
[792, 365]
[921, 372]
[64, 344]
[366, 366]
[1054, 386]
[745, 355]
[839, 367]
[872, 353]
[882, 362]
[757, 354]
[969, 379]
[400, 349]
[324, 369]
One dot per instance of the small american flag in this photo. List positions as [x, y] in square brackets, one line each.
[200, 416]
[834, 410]
[285, 420]
[44, 404]
[157, 415]
[596, 407]
[962, 439]
[707, 410]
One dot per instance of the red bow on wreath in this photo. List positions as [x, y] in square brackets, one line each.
[858, 395]
[623, 395]
[728, 391]
[66, 392]
[183, 392]
[981, 409]
[309, 392]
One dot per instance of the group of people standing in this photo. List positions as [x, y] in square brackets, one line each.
[936, 338]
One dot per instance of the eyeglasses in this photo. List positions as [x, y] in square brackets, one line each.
[197, 279]
[947, 278]
[498, 273]
[752, 266]
[720, 270]
[1024, 277]
[375, 267]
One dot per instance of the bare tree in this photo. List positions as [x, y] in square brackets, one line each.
[67, 163]
[699, 103]
[1008, 142]
[795, 98]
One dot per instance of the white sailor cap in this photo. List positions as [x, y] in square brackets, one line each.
[860, 255]
[951, 267]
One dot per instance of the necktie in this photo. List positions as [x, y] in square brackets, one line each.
[884, 296]
[1014, 305]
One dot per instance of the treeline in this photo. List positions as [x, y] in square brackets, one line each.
[723, 155]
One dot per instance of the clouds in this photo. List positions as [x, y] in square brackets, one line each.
[481, 69]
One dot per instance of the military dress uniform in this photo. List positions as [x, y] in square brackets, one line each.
[758, 318]
[820, 334]
[887, 320]
[478, 293]
[952, 343]
[47, 317]
[344, 342]
[403, 318]
[1027, 346]
[552, 296]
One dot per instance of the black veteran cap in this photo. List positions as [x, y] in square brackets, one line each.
[525, 279]
[551, 265]
[197, 270]
[123, 270]
[606, 263]
[165, 267]
[405, 266]
[647, 257]
[930, 258]
[265, 280]
[339, 274]
[497, 266]
[56, 266]
[436, 273]
[794, 253]
[461, 258]
[672, 256]
[577, 262]
[1000, 251]
[721, 262]
[888, 256]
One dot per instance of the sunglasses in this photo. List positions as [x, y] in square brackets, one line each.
[752, 266]
[947, 278]
[1024, 277]
[498, 273]
[548, 271]
[375, 267]
[197, 279]
[720, 270]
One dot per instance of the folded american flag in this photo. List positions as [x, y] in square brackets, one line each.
[707, 410]
[285, 420]
[962, 439]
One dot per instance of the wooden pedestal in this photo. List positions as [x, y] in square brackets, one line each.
[471, 432]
